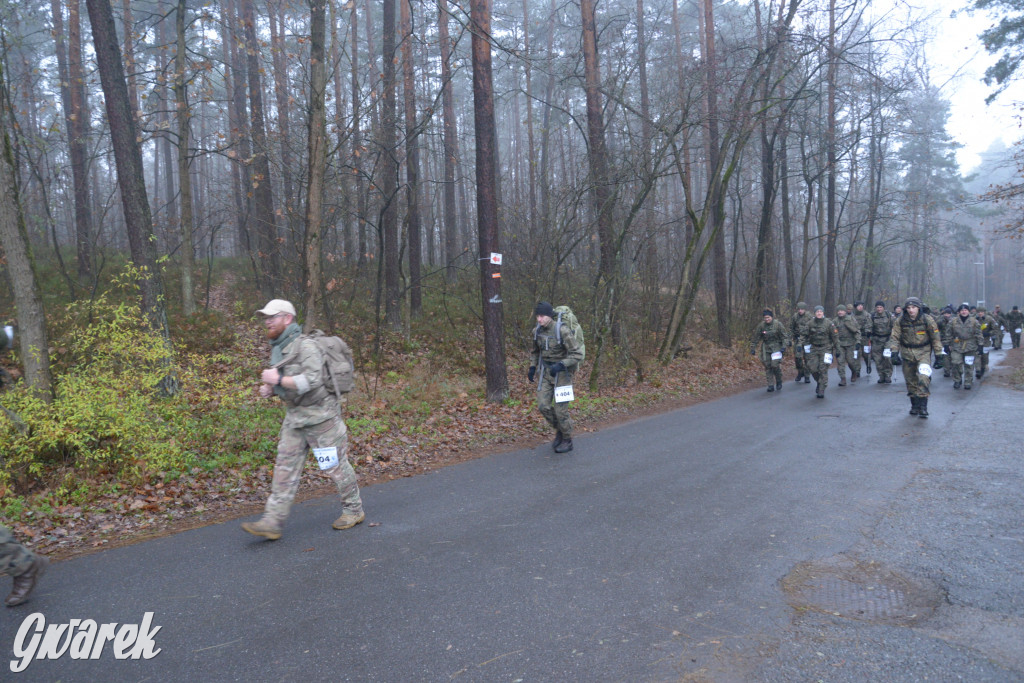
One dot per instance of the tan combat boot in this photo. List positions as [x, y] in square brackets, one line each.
[348, 520]
[263, 528]
[26, 581]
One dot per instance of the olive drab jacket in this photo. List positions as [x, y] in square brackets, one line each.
[1014, 320]
[798, 325]
[863, 319]
[964, 335]
[881, 326]
[552, 346]
[989, 327]
[822, 336]
[915, 334]
[849, 330]
[771, 337]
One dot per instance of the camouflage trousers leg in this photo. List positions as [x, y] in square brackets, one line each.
[817, 367]
[882, 364]
[15, 559]
[960, 370]
[846, 360]
[981, 362]
[864, 357]
[557, 414]
[1015, 339]
[292, 447]
[772, 371]
[798, 358]
[917, 384]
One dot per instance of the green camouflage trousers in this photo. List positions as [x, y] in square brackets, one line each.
[962, 371]
[292, 446]
[772, 369]
[15, 559]
[882, 364]
[845, 360]
[814, 364]
[981, 361]
[557, 414]
[917, 384]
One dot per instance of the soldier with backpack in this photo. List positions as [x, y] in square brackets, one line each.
[557, 351]
[308, 373]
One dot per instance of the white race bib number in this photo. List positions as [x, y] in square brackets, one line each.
[807, 348]
[887, 353]
[867, 349]
[969, 360]
[777, 355]
[564, 394]
[326, 458]
[924, 369]
[1017, 331]
[855, 354]
[827, 359]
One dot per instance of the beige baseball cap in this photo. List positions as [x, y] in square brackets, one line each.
[275, 306]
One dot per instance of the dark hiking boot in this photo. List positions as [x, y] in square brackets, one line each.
[869, 369]
[922, 407]
[558, 439]
[564, 447]
[25, 582]
[771, 388]
[778, 385]
[957, 385]
[914, 408]
[881, 380]
[967, 387]
[807, 379]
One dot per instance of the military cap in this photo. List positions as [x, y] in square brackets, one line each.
[982, 309]
[801, 304]
[819, 307]
[913, 301]
[768, 311]
[880, 303]
[841, 307]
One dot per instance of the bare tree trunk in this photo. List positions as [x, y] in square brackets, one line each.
[238, 119]
[277, 51]
[21, 269]
[412, 166]
[317, 159]
[451, 220]
[76, 116]
[269, 257]
[486, 201]
[389, 181]
[357, 141]
[531, 154]
[716, 200]
[130, 178]
[182, 114]
[830, 143]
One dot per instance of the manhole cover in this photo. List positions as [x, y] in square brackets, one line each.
[860, 590]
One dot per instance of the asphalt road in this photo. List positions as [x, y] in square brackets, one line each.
[761, 537]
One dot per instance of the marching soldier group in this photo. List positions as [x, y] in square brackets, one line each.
[908, 336]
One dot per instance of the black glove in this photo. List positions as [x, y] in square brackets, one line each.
[751, 352]
[556, 368]
[945, 350]
[532, 373]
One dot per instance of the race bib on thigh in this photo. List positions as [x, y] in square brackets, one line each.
[563, 394]
[807, 348]
[827, 359]
[924, 369]
[867, 349]
[777, 355]
[969, 360]
[887, 353]
[326, 458]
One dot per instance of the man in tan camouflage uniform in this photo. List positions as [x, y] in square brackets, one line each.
[771, 336]
[963, 333]
[997, 334]
[916, 336]
[313, 419]
[849, 342]
[989, 330]
[557, 354]
[15, 559]
[820, 344]
[797, 328]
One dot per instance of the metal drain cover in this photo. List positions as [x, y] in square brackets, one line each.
[866, 591]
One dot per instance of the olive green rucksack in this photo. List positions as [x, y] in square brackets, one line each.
[565, 314]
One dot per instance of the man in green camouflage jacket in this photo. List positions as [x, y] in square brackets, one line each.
[863, 318]
[942, 322]
[557, 354]
[963, 334]
[797, 327]
[820, 344]
[773, 339]
[997, 335]
[915, 335]
[312, 420]
[1015, 323]
[848, 329]
[881, 329]
[989, 330]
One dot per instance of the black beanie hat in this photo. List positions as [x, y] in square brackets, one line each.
[963, 307]
[544, 308]
[768, 311]
[880, 303]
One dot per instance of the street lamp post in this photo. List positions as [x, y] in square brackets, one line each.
[981, 302]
